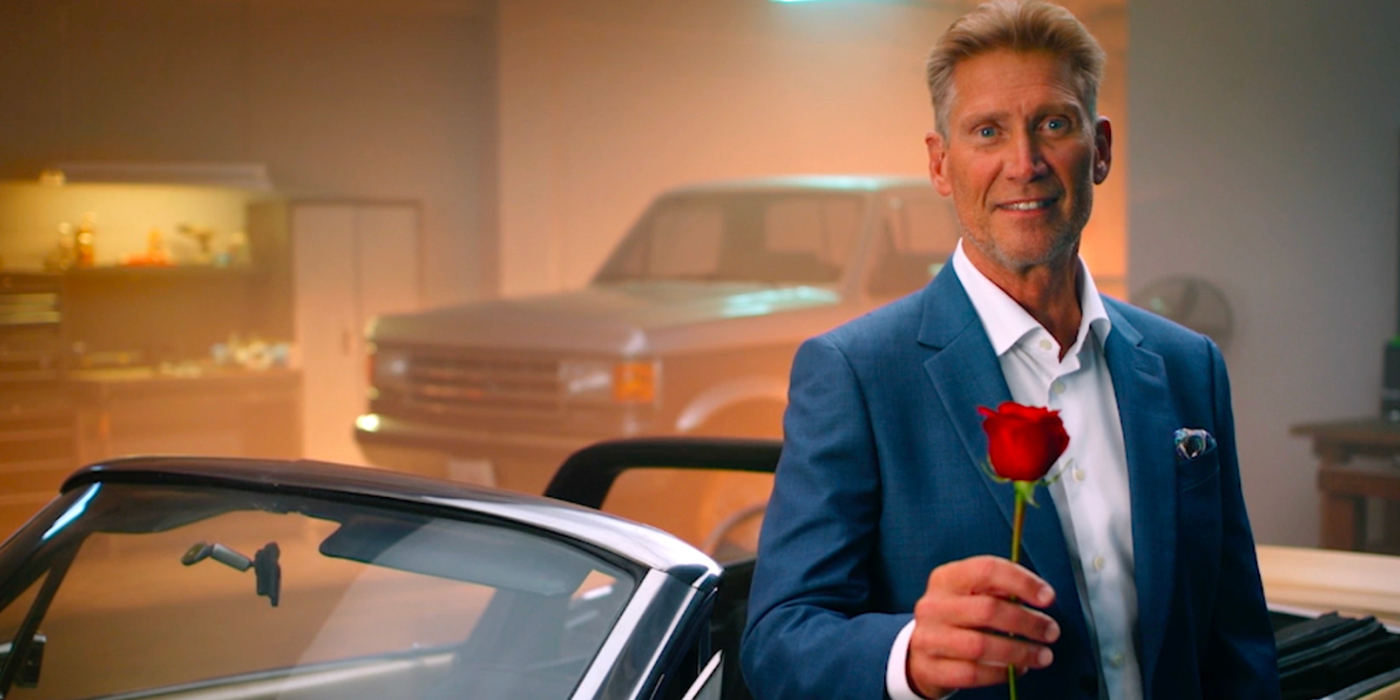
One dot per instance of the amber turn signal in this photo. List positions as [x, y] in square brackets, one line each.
[634, 382]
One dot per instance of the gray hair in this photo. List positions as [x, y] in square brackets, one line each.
[1027, 26]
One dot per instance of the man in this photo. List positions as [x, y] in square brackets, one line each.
[876, 571]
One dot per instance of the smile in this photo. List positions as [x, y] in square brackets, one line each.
[1030, 205]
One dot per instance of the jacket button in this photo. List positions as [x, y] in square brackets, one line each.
[1089, 684]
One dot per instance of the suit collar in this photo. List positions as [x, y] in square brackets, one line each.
[1144, 408]
[1007, 324]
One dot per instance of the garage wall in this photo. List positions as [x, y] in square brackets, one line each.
[366, 98]
[603, 104]
[1265, 142]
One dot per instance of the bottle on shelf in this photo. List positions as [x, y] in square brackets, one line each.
[85, 239]
[65, 252]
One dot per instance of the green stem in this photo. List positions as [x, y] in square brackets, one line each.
[1019, 520]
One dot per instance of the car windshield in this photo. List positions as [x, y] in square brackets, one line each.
[176, 591]
[795, 237]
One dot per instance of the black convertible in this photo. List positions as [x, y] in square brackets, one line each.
[189, 578]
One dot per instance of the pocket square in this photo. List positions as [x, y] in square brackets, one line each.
[1192, 443]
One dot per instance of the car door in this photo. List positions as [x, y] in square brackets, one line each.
[666, 481]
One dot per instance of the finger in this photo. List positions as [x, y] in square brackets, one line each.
[980, 647]
[934, 678]
[985, 612]
[988, 574]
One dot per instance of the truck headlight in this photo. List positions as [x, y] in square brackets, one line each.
[604, 381]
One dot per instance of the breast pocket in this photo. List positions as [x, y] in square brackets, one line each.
[1199, 518]
[1197, 472]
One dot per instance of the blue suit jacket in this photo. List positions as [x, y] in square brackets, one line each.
[880, 483]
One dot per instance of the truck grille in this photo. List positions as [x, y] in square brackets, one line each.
[442, 383]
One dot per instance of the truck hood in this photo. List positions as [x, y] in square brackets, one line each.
[632, 319]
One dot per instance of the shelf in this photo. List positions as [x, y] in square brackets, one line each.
[123, 272]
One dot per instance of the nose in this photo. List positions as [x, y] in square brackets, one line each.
[1024, 160]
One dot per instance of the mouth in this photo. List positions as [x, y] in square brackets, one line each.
[1027, 204]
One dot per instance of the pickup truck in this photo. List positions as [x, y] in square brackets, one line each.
[688, 328]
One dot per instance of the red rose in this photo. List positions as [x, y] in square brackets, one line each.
[1023, 442]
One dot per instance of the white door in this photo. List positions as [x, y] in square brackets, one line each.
[352, 261]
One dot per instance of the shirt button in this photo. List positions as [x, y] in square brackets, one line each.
[1116, 659]
[1099, 563]
[1058, 387]
[1044, 344]
[1078, 474]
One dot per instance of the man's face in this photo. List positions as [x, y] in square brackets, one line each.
[1020, 160]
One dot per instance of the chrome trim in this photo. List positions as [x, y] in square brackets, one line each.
[626, 668]
[451, 381]
[613, 646]
[646, 545]
[715, 670]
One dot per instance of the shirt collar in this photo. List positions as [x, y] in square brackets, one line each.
[1006, 323]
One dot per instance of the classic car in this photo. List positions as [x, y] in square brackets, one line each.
[188, 578]
[203, 578]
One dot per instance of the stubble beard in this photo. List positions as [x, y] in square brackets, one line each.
[1063, 248]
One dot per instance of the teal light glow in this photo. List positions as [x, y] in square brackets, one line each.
[767, 301]
[73, 512]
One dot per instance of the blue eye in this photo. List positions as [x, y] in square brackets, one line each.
[986, 132]
[1055, 124]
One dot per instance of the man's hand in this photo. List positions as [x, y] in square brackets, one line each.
[962, 623]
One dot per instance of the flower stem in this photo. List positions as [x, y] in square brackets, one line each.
[1019, 520]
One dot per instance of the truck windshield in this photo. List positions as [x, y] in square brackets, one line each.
[764, 237]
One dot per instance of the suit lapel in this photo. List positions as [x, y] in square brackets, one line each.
[965, 374]
[1144, 408]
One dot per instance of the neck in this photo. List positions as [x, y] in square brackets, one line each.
[1049, 292]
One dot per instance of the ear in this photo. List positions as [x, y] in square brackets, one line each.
[938, 163]
[1103, 149]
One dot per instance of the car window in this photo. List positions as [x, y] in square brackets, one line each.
[821, 227]
[761, 237]
[716, 511]
[919, 235]
[348, 600]
[686, 241]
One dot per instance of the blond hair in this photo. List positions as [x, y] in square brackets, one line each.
[1021, 26]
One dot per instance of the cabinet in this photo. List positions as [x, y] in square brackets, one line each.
[36, 415]
[138, 410]
[351, 261]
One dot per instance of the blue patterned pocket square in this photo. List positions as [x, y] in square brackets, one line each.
[1192, 443]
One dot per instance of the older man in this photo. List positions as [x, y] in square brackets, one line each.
[879, 569]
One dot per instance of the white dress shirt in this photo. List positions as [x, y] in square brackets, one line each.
[1091, 496]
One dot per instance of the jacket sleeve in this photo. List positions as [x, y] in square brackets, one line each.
[811, 632]
[1239, 657]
